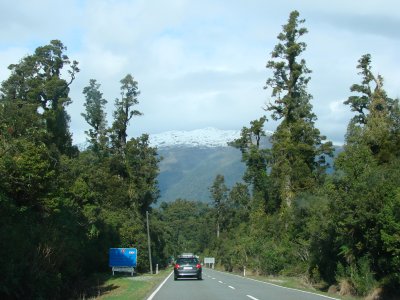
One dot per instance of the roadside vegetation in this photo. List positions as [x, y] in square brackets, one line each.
[62, 208]
[293, 282]
[138, 287]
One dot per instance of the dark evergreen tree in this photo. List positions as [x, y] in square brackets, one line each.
[365, 198]
[95, 116]
[298, 152]
[239, 200]
[37, 81]
[255, 156]
[219, 193]
[377, 116]
[142, 165]
[124, 111]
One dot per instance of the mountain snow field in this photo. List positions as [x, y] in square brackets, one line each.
[206, 137]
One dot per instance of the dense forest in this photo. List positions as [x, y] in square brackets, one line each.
[62, 208]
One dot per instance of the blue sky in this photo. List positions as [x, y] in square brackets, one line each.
[202, 63]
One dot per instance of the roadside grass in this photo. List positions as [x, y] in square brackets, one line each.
[124, 287]
[299, 284]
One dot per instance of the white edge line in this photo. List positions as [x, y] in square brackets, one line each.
[283, 287]
[159, 287]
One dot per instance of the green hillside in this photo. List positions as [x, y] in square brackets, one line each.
[188, 172]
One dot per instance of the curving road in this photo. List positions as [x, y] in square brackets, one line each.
[224, 286]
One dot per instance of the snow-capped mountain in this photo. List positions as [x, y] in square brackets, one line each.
[191, 160]
[207, 137]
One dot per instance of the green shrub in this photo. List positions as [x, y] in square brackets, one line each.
[359, 275]
[273, 259]
[363, 278]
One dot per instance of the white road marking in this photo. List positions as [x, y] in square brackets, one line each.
[231, 287]
[286, 288]
[159, 287]
[213, 278]
[251, 297]
[220, 281]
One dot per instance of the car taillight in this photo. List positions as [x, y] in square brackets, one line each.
[177, 266]
[198, 266]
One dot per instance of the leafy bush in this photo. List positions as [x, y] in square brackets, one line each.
[363, 278]
[273, 259]
[359, 275]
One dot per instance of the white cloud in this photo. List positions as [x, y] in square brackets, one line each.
[202, 63]
[104, 63]
[10, 56]
[337, 108]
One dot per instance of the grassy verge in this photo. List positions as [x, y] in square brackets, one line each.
[139, 287]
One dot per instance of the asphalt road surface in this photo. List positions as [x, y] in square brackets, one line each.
[224, 286]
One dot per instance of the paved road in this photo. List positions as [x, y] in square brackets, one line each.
[223, 286]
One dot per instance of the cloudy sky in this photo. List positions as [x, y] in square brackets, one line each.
[202, 63]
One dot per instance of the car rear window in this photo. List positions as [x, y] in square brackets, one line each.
[187, 260]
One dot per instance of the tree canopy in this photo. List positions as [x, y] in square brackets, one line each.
[61, 208]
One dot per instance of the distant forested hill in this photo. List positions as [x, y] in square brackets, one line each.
[188, 172]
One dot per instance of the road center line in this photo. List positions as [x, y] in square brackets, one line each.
[251, 297]
[220, 281]
[231, 287]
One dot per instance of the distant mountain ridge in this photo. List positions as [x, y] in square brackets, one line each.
[188, 172]
[192, 159]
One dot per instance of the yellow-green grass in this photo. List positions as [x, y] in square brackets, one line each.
[121, 287]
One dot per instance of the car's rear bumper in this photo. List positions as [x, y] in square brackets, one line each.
[187, 273]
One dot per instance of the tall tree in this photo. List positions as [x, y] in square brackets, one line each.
[239, 203]
[255, 156]
[142, 164]
[297, 154]
[377, 116]
[219, 193]
[364, 201]
[95, 115]
[124, 111]
[37, 81]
